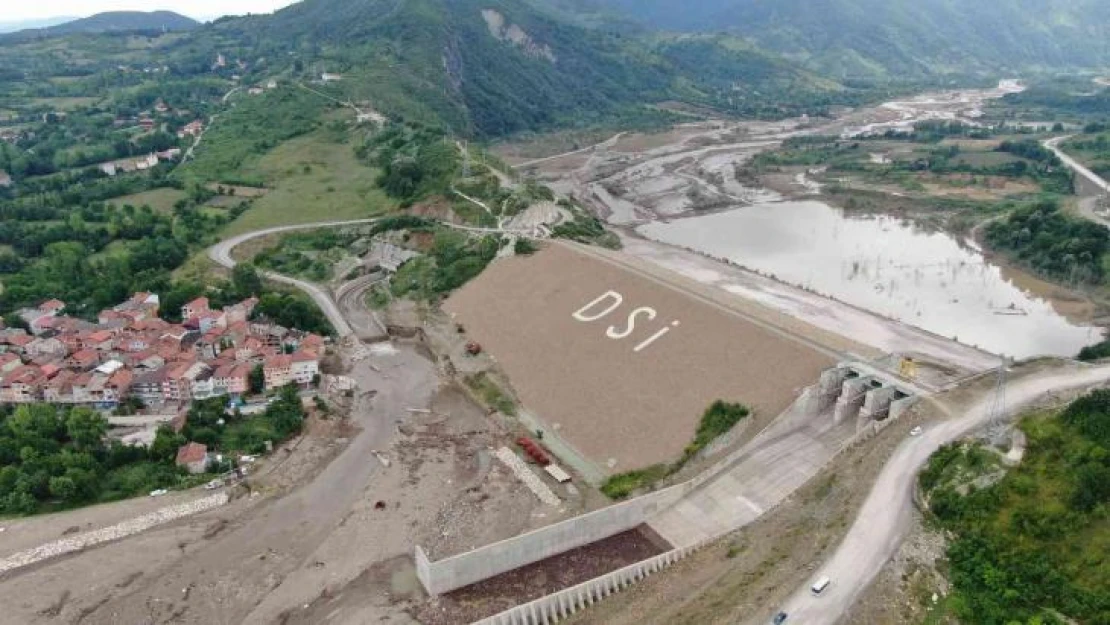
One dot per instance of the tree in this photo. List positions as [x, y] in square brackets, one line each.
[257, 380]
[245, 280]
[21, 502]
[287, 413]
[33, 422]
[85, 428]
[15, 321]
[165, 445]
[63, 488]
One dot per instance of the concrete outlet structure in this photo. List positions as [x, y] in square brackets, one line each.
[851, 399]
[861, 393]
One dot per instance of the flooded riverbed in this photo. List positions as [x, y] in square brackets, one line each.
[887, 266]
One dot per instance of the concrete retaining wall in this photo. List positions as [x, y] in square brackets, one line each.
[500, 557]
[559, 605]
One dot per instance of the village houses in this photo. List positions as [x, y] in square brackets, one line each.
[132, 353]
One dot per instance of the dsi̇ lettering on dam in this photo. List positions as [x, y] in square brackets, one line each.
[609, 302]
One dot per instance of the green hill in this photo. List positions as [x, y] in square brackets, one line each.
[899, 38]
[112, 21]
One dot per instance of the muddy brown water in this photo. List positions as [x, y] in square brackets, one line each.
[888, 266]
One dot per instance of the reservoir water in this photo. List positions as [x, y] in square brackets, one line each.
[888, 266]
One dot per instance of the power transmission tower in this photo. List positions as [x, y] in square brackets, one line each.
[996, 429]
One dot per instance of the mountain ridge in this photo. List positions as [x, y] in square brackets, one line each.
[496, 67]
[108, 22]
[879, 38]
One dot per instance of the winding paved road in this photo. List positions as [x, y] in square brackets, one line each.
[1090, 186]
[220, 253]
[1076, 166]
[886, 515]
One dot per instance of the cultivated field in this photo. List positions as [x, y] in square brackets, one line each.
[161, 199]
[623, 408]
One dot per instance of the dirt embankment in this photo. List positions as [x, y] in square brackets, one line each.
[626, 397]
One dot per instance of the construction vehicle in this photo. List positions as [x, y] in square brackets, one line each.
[908, 368]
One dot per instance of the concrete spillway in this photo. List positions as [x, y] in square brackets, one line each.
[848, 401]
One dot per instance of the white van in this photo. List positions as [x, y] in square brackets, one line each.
[820, 585]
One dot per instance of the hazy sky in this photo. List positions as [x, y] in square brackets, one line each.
[14, 10]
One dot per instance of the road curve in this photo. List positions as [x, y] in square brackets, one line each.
[1054, 145]
[883, 520]
[220, 253]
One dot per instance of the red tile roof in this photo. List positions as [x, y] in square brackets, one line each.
[304, 357]
[279, 361]
[85, 356]
[121, 379]
[191, 452]
[200, 302]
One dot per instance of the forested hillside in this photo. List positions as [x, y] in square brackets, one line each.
[897, 39]
[495, 67]
[1028, 545]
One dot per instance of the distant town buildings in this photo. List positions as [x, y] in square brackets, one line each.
[128, 165]
[131, 352]
[192, 129]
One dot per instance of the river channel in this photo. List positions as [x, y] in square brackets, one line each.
[648, 185]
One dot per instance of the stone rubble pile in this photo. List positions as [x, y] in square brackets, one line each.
[110, 533]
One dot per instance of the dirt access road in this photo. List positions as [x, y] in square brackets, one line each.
[886, 515]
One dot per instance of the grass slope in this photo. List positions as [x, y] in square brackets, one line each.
[312, 179]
